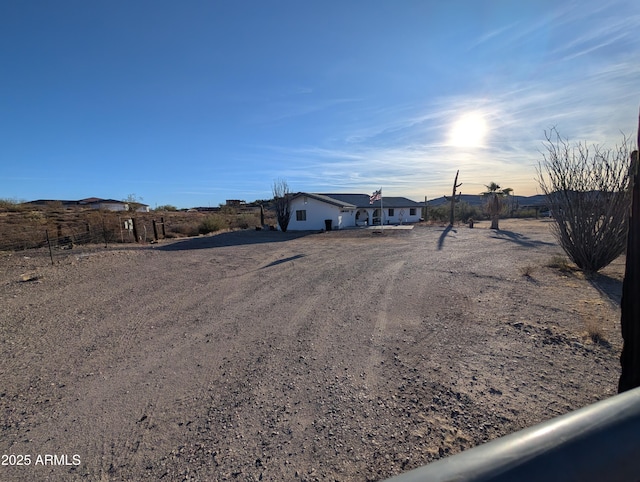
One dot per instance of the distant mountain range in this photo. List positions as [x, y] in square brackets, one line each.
[477, 200]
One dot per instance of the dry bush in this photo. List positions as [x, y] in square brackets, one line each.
[587, 189]
[244, 221]
[282, 202]
[185, 228]
[12, 205]
[211, 224]
[527, 270]
[595, 332]
[560, 263]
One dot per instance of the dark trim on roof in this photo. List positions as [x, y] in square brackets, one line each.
[325, 199]
[362, 201]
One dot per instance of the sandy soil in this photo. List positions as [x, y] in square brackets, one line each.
[267, 356]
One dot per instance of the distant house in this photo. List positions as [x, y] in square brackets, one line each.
[52, 202]
[111, 204]
[313, 211]
[94, 203]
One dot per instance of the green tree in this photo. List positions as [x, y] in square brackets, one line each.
[495, 197]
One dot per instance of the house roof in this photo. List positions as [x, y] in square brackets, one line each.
[327, 199]
[97, 200]
[48, 201]
[362, 201]
[89, 200]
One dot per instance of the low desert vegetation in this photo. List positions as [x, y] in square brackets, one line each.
[560, 263]
[282, 203]
[166, 207]
[588, 189]
[595, 332]
[464, 211]
[25, 226]
[11, 205]
[527, 271]
[211, 224]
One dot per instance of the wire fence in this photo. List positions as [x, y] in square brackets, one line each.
[56, 240]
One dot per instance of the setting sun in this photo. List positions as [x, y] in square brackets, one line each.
[468, 131]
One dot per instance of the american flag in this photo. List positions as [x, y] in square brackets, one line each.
[376, 196]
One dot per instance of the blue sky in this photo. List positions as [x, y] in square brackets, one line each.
[191, 103]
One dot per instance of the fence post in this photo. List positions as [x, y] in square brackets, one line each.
[135, 229]
[46, 232]
[164, 234]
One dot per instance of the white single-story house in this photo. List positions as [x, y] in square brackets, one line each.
[111, 204]
[93, 203]
[312, 211]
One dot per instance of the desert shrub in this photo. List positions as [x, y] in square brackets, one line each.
[527, 270]
[185, 229]
[56, 206]
[282, 203]
[211, 224]
[462, 212]
[560, 263]
[166, 207]
[588, 190]
[595, 332]
[37, 217]
[244, 221]
[439, 214]
[102, 227]
[11, 205]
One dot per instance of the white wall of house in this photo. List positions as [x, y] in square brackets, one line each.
[313, 213]
[404, 215]
[118, 207]
[397, 216]
[111, 206]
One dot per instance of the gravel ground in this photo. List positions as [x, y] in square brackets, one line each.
[348, 355]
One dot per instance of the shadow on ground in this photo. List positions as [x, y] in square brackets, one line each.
[285, 260]
[444, 235]
[519, 239]
[234, 238]
[608, 286]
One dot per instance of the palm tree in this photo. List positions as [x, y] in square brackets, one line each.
[494, 196]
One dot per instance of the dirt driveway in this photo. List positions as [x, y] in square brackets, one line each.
[267, 356]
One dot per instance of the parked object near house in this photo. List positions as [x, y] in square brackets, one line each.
[312, 211]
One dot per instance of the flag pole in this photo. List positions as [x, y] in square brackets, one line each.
[381, 213]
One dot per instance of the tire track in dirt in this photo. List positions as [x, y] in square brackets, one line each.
[383, 291]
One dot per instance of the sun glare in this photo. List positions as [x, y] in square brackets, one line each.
[468, 131]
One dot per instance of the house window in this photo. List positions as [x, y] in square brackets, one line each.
[390, 212]
[412, 211]
[301, 215]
